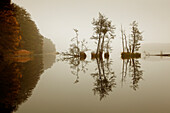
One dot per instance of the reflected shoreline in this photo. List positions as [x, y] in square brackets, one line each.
[19, 76]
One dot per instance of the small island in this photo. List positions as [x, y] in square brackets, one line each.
[132, 44]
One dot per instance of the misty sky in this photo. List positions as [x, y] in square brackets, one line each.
[57, 18]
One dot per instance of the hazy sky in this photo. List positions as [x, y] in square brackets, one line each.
[57, 18]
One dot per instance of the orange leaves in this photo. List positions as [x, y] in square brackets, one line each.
[9, 32]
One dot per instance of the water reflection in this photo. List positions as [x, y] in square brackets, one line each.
[132, 67]
[104, 75]
[9, 86]
[104, 78]
[48, 60]
[18, 79]
[77, 64]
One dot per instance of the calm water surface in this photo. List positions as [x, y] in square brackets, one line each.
[68, 88]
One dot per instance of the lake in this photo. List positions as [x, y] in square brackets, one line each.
[33, 80]
[77, 87]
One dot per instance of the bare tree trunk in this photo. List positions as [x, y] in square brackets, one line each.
[122, 80]
[98, 64]
[78, 44]
[99, 41]
[98, 45]
[102, 67]
[126, 43]
[127, 62]
[122, 40]
[102, 46]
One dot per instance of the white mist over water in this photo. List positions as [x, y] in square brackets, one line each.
[56, 19]
[56, 92]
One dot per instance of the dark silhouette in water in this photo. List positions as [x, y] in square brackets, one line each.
[76, 65]
[104, 78]
[9, 86]
[48, 60]
[161, 54]
[132, 67]
[17, 82]
[18, 78]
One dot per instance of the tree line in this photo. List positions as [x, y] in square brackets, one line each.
[19, 32]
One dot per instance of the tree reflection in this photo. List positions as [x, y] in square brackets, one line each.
[17, 81]
[48, 60]
[77, 65]
[9, 86]
[132, 66]
[104, 78]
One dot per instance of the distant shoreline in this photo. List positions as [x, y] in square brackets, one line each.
[168, 55]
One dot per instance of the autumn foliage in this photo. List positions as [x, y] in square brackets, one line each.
[32, 40]
[9, 32]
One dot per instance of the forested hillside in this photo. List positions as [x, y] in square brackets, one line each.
[32, 40]
[9, 32]
[19, 32]
[48, 46]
